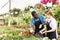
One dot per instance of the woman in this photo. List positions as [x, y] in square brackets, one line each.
[51, 26]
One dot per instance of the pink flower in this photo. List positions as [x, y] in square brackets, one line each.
[54, 0]
[44, 1]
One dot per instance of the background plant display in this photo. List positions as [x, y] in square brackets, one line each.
[22, 19]
[16, 34]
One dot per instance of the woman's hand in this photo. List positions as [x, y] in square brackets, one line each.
[44, 32]
[41, 32]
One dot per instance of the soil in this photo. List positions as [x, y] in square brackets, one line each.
[58, 38]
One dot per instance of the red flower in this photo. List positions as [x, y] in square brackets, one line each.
[25, 32]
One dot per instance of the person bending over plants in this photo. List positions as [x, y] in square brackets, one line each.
[37, 22]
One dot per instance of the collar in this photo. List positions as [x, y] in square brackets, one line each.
[48, 20]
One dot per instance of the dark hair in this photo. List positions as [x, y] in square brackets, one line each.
[33, 12]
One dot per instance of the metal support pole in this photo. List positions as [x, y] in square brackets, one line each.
[9, 13]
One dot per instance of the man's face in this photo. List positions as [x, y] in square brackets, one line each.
[35, 15]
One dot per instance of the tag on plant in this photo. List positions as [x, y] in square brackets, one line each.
[40, 26]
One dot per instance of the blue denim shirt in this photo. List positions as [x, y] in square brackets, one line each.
[32, 22]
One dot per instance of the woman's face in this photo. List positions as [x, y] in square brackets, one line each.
[47, 16]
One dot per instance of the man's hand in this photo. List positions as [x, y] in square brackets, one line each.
[31, 30]
[33, 27]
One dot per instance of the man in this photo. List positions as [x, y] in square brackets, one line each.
[37, 22]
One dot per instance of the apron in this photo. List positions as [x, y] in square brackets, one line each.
[37, 24]
[50, 35]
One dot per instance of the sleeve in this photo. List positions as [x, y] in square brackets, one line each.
[32, 22]
[46, 20]
[42, 18]
[53, 24]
